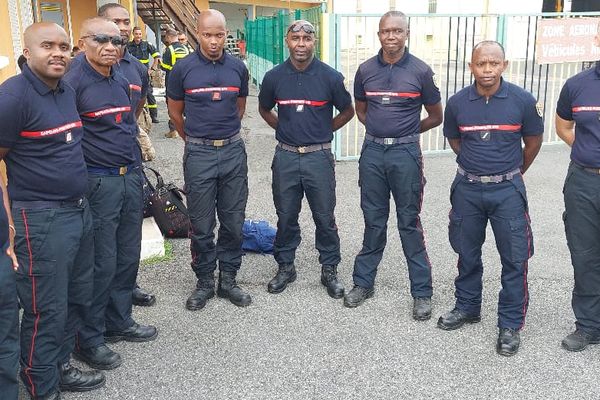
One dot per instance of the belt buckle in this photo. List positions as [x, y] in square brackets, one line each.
[122, 170]
[219, 143]
[485, 179]
[388, 140]
[302, 149]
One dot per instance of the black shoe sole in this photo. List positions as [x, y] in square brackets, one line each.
[576, 350]
[470, 320]
[144, 303]
[224, 295]
[507, 353]
[103, 367]
[275, 291]
[126, 338]
[369, 294]
[65, 388]
[196, 308]
[421, 317]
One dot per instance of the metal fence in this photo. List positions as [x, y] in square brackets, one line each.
[265, 39]
[445, 43]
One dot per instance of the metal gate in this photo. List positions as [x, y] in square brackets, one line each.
[445, 43]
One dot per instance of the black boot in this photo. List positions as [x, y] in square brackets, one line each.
[229, 289]
[286, 274]
[329, 279]
[205, 289]
[73, 379]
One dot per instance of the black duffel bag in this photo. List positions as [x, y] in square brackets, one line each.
[165, 202]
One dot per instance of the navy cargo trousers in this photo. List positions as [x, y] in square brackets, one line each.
[504, 204]
[395, 169]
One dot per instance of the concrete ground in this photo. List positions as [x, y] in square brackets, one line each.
[301, 344]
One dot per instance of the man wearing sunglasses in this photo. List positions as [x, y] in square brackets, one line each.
[41, 143]
[390, 91]
[305, 91]
[114, 192]
[211, 87]
[139, 84]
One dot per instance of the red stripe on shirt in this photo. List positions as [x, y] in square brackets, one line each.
[315, 103]
[394, 94]
[106, 111]
[585, 108]
[53, 131]
[135, 87]
[213, 89]
[472, 128]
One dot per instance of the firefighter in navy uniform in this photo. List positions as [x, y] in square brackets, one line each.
[139, 84]
[305, 91]
[174, 52]
[390, 90]
[211, 88]
[578, 124]
[485, 124]
[114, 192]
[41, 143]
[144, 51]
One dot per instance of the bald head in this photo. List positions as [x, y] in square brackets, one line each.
[211, 18]
[488, 43]
[98, 25]
[47, 50]
[33, 32]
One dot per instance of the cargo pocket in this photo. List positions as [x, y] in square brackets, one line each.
[521, 239]
[455, 231]
[37, 283]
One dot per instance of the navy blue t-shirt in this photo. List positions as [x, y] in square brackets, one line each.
[491, 131]
[104, 105]
[305, 101]
[42, 129]
[210, 90]
[395, 94]
[579, 101]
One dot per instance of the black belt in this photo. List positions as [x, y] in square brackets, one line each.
[489, 178]
[304, 149]
[595, 171]
[113, 171]
[392, 140]
[214, 142]
[43, 204]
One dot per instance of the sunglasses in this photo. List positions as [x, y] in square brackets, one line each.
[102, 39]
[308, 28]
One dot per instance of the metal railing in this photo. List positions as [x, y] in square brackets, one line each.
[445, 43]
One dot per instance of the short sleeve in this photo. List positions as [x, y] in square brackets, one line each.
[359, 88]
[244, 86]
[341, 96]
[564, 105]
[175, 88]
[533, 123]
[450, 124]
[11, 117]
[430, 93]
[266, 96]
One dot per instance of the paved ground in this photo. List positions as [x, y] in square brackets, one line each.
[301, 344]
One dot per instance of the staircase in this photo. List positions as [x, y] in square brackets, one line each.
[180, 14]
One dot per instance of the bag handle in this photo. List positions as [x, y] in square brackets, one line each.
[159, 179]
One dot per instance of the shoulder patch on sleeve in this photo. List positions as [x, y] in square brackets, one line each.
[539, 107]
